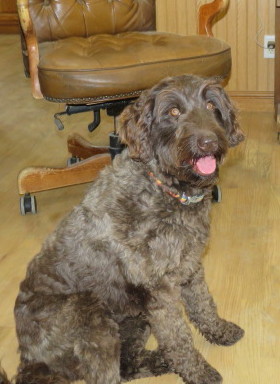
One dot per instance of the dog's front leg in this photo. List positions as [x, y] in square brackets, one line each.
[202, 312]
[175, 341]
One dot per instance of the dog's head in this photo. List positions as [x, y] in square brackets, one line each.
[186, 123]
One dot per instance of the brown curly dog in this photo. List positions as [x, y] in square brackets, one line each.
[116, 268]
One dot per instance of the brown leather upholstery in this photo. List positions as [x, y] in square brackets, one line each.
[97, 50]
[122, 65]
[58, 19]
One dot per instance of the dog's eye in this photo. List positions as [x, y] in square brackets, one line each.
[174, 112]
[210, 106]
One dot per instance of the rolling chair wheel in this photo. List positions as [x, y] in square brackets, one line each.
[216, 194]
[28, 204]
[73, 160]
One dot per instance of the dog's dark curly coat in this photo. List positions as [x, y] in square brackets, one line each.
[116, 268]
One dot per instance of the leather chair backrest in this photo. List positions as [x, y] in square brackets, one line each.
[58, 19]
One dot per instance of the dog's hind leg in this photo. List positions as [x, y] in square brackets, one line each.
[38, 373]
[136, 361]
[33, 373]
[98, 352]
[72, 336]
[202, 311]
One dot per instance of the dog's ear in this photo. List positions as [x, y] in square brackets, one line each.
[135, 127]
[225, 111]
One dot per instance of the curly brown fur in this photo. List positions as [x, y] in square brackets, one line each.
[118, 264]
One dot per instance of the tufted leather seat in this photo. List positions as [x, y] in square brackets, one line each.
[95, 50]
[101, 54]
[58, 19]
[122, 65]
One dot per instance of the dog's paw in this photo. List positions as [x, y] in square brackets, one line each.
[224, 333]
[157, 364]
[147, 363]
[210, 376]
[205, 375]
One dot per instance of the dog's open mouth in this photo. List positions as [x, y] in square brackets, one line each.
[204, 166]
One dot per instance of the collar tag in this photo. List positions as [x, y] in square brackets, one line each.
[187, 200]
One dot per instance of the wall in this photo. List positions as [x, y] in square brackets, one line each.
[243, 27]
[8, 17]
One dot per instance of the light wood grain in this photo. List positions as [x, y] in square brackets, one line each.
[242, 260]
[8, 17]
[38, 179]
[243, 27]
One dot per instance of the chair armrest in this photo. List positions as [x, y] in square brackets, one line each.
[207, 13]
[32, 46]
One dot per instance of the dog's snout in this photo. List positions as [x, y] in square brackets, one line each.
[208, 143]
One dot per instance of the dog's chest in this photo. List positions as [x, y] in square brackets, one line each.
[168, 242]
[188, 233]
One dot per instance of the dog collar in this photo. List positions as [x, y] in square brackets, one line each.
[183, 198]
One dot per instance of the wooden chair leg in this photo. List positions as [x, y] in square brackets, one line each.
[81, 148]
[36, 179]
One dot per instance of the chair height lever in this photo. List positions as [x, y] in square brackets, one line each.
[57, 120]
[96, 120]
[73, 109]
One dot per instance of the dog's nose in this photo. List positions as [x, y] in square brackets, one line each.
[208, 143]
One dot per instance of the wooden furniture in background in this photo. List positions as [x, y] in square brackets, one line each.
[8, 17]
[277, 64]
[207, 14]
[108, 76]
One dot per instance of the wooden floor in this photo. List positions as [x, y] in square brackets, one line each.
[242, 262]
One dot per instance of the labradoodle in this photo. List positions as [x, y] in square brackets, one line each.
[117, 266]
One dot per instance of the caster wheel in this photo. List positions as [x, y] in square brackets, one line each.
[73, 160]
[216, 194]
[28, 204]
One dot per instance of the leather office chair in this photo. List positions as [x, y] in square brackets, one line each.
[100, 54]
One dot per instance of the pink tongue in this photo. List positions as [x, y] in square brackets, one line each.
[206, 165]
